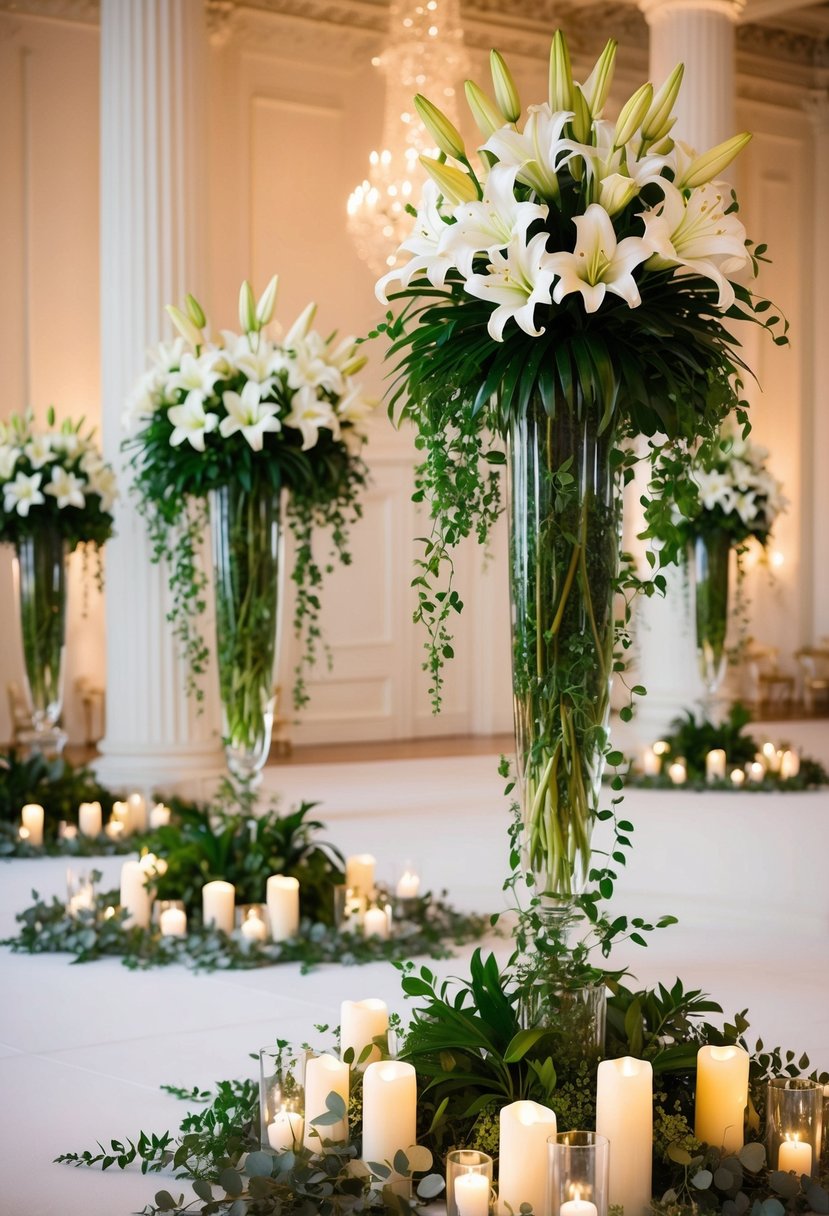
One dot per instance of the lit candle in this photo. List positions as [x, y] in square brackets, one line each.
[32, 819]
[254, 928]
[359, 873]
[651, 763]
[135, 897]
[772, 757]
[376, 923]
[678, 773]
[67, 831]
[789, 765]
[217, 901]
[756, 772]
[324, 1074]
[159, 816]
[661, 747]
[737, 776]
[795, 1155]
[121, 814]
[579, 1207]
[138, 813]
[722, 1094]
[173, 922]
[90, 819]
[624, 1114]
[360, 1023]
[525, 1128]
[389, 1111]
[715, 765]
[472, 1195]
[282, 895]
[408, 885]
[286, 1131]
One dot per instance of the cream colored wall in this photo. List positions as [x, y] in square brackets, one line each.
[294, 110]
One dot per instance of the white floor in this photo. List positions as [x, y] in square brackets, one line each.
[84, 1049]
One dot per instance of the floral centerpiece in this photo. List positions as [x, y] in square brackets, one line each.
[248, 432]
[57, 494]
[571, 291]
[702, 506]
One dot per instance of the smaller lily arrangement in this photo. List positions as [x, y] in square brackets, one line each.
[54, 476]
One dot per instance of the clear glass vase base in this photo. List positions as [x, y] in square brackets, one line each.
[47, 742]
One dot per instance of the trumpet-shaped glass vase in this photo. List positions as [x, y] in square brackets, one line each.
[40, 570]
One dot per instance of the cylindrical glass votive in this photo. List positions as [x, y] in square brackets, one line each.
[80, 892]
[794, 1125]
[171, 915]
[252, 922]
[578, 1174]
[349, 909]
[468, 1183]
[281, 1097]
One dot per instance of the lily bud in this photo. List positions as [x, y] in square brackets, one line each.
[487, 117]
[561, 74]
[354, 365]
[597, 85]
[445, 134]
[267, 300]
[615, 192]
[658, 122]
[301, 325]
[184, 326]
[632, 114]
[581, 116]
[453, 184]
[247, 309]
[711, 164]
[506, 94]
[195, 311]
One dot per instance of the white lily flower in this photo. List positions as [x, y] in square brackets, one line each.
[309, 366]
[698, 236]
[536, 153]
[516, 281]
[22, 493]
[9, 457]
[426, 245]
[355, 406]
[66, 488]
[167, 355]
[713, 487]
[309, 414]
[103, 482]
[598, 264]
[190, 422]
[489, 225]
[196, 374]
[38, 451]
[67, 443]
[746, 507]
[257, 365]
[250, 415]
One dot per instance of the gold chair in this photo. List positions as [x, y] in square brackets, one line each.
[281, 745]
[814, 674]
[768, 686]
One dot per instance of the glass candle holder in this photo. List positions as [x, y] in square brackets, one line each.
[281, 1097]
[252, 922]
[794, 1125]
[578, 1164]
[171, 916]
[80, 892]
[468, 1183]
[349, 909]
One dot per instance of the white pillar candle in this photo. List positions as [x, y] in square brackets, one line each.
[254, 928]
[789, 765]
[525, 1128]
[376, 923]
[651, 763]
[624, 1115]
[389, 1111]
[114, 829]
[578, 1207]
[360, 1022]
[121, 814]
[772, 757]
[324, 1074]
[286, 1131]
[737, 776]
[173, 922]
[282, 895]
[795, 1155]
[408, 885]
[472, 1195]
[90, 819]
[138, 813]
[159, 816]
[31, 818]
[359, 873]
[678, 773]
[722, 1094]
[756, 772]
[217, 901]
[715, 765]
[134, 895]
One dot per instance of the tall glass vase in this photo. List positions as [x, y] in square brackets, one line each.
[564, 513]
[711, 555]
[40, 575]
[246, 533]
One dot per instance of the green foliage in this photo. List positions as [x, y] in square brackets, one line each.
[59, 788]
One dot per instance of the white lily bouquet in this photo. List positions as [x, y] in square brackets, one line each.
[54, 477]
[285, 417]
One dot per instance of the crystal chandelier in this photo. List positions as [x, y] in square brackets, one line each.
[424, 54]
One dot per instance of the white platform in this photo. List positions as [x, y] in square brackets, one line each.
[83, 1049]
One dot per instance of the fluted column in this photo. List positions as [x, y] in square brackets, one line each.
[152, 226]
[700, 34]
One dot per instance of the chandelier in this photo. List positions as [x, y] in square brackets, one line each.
[424, 54]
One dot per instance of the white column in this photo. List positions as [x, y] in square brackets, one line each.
[152, 251]
[700, 34]
[816, 436]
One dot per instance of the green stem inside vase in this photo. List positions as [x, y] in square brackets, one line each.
[41, 577]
